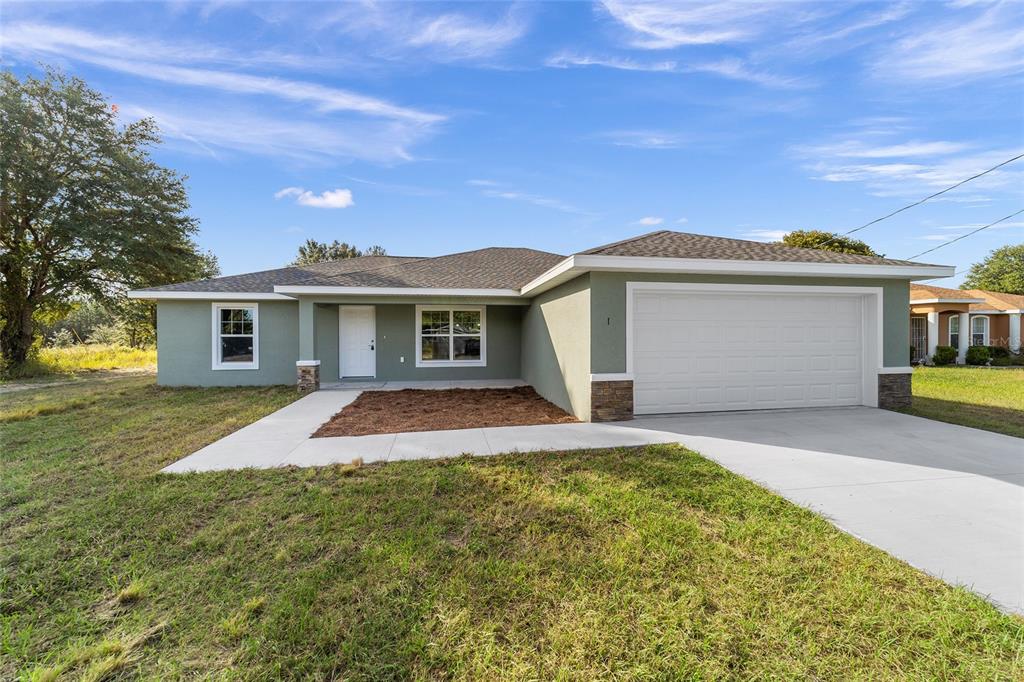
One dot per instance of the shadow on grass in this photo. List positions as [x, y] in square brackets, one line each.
[998, 419]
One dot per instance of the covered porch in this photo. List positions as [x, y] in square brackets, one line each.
[951, 323]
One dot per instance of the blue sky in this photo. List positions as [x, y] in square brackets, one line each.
[432, 128]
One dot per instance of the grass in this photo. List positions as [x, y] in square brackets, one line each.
[90, 357]
[984, 398]
[650, 563]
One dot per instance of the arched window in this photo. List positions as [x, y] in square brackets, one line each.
[979, 330]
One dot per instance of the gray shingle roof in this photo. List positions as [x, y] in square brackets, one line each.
[668, 244]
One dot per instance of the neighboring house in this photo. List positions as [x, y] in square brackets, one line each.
[962, 318]
[663, 322]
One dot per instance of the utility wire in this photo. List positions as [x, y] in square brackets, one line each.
[927, 198]
[964, 236]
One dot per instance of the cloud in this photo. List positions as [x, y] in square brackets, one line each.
[732, 68]
[463, 37]
[990, 43]
[859, 150]
[332, 198]
[765, 235]
[650, 221]
[659, 26]
[497, 190]
[939, 237]
[644, 139]
[682, 221]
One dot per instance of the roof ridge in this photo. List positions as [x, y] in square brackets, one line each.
[624, 241]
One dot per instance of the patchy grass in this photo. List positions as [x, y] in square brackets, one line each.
[87, 357]
[647, 563]
[984, 398]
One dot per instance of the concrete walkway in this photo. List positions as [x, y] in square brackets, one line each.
[944, 498]
[283, 438]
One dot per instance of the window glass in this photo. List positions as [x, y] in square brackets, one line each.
[467, 348]
[954, 331]
[450, 335]
[467, 321]
[435, 348]
[435, 321]
[978, 328]
[236, 349]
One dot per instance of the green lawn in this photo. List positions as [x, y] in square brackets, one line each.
[985, 398]
[648, 563]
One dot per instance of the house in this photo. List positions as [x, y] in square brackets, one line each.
[937, 316]
[663, 322]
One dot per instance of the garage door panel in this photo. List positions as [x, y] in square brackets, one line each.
[696, 351]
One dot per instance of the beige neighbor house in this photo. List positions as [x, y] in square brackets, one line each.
[962, 318]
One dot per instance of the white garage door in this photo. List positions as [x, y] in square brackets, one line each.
[701, 352]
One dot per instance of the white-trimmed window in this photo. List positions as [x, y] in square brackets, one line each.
[954, 331]
[236, 339]
[451, 336]
[979, 330]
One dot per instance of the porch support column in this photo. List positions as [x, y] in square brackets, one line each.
[933, 335]
[1015, 332]
[964, 338]
[307, 369]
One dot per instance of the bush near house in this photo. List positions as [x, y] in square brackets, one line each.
[944, 355]
[977, 355]
[998, 352]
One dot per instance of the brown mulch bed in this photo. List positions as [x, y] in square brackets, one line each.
[436, 410]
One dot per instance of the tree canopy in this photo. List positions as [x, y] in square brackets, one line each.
[321, 252]
[827, 241]
[84, 211]
[1002, 270]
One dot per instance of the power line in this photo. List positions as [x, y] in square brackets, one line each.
[927, 198]
[965, 236]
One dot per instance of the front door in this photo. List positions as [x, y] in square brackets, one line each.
[919, 338]
[357, 341]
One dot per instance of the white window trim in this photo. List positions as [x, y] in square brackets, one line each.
[482, 362]
[949, 330]
[988, 326]
[215, 328]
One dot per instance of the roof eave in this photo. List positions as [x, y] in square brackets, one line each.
[926, 301]
[299, 290]
[576, 265]
[146, 294]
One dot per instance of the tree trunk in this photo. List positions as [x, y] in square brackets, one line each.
[16, 335]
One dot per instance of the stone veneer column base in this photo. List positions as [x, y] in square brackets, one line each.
[611, 401]
[894, 391]
[307, 375]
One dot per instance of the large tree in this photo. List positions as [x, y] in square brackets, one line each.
[827, 241]
[84, 211]
[321, 252]
[1002, 270]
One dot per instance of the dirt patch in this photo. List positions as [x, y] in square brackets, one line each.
[429, 410]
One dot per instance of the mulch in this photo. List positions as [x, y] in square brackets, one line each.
[437, 410]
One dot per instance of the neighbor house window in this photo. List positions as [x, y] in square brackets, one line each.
[979, 331]
[450, 336]
[235, 336]
[954, 331]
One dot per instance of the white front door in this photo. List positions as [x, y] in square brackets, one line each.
[357, 341]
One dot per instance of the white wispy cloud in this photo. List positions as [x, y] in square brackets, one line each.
[645, 139]
[682, 221]
[860, 150]
[497, 190]
[732, 68]
[650, 221]
[985, 41]
[658, 25]
[332, 198]
[765, 235]
[938, 237]
[1008, 225]
[464, 37]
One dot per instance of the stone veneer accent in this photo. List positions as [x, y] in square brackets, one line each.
[611, 400]
[894, 391]
[308, 375]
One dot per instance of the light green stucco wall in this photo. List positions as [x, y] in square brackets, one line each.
[556, 346]
[185, 345]
[608, 311]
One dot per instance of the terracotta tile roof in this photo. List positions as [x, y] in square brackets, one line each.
[668, 244]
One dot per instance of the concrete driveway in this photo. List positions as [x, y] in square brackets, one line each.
[946, 499]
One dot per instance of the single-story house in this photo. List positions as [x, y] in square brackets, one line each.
[663, 322]
[937, 316]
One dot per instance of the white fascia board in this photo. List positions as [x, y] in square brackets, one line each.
[393, 291]
[923, 301]
[578, 264]
[993, 311]
[207, 296]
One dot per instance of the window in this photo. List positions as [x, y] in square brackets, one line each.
[235, 336]
[979, 331]
[450, 336]
[954, 331]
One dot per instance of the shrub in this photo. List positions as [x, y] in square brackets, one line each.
[944, 355]
[998, 352]
[1009, 361]
[977, 355]
[109, 335]
[63, 339]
